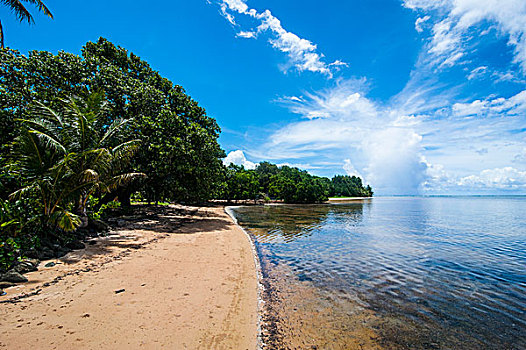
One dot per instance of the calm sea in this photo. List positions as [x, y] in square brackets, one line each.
[393, 273]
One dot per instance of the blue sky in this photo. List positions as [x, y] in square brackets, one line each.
[415, 96]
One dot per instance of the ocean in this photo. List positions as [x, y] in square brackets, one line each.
[393, 273]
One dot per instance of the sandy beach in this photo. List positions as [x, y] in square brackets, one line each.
[179, 278]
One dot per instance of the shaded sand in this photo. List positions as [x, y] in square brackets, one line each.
[189, 282]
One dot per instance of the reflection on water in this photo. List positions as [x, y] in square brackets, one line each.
[287, 223]
[418, 273]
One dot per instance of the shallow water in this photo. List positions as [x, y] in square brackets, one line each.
[395, 273]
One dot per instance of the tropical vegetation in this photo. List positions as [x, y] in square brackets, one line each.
[84, 134]
[77, 132]
[288, 184]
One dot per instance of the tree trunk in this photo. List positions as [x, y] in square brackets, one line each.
[124, 195]
[82, 212]
[1, 36]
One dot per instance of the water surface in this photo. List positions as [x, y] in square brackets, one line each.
[396, 273]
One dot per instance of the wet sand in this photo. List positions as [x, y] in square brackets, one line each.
[185, 280]
[298, 316]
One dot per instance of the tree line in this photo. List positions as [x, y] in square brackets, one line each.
[288, 184]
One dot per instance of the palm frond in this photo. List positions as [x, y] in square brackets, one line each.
[41, 7]
[65, 220]
[40, 124]
[123, 153]
[50, 141]
[21, 13]
[22, 192]
[112, 130]
[46, 112]
[30, 151]
[100, 159]
[89, 175]
[124, 179]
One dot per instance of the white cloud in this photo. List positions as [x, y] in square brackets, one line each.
[419, 21]
[246, 35]
[395, 162]
[437, 180]
[520, 157]
[399, 147]
[346, 100]
[457, 19]
[343, 121]
[351, 170]
[477, 72]
[466, 109]
[339, 63]
[488, 180]
[506, 178]
[302, 53]
[512, 106]
[238, 158]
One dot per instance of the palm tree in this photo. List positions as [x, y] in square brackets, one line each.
[21, 13]
[71, 154]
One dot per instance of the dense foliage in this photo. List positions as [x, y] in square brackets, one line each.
[179, 152]
[292, 185]
[77, 132]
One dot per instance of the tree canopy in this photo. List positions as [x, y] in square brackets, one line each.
[77, 132]
[288, 184]
[179, 153]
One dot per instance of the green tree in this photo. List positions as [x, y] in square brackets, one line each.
[180, 152]
[240, 183]
[265, 171]
[350, 186]
[65, 155]
[289, 184]
[21, 13]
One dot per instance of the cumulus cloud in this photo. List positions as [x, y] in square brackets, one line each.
[488, 180]
[397, 152]
[238, 158]
[512, 106]
[351, 170]
[302, 53]
[395, 162]
[343, 121]
[455, 21]
[506, 178]
[437, 179]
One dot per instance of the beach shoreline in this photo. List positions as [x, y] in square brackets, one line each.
[347, 199]
[259, 273]
[183, 279]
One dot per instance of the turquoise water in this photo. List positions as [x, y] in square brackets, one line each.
[447, 272]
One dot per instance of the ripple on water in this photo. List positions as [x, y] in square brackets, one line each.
[425, 272]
